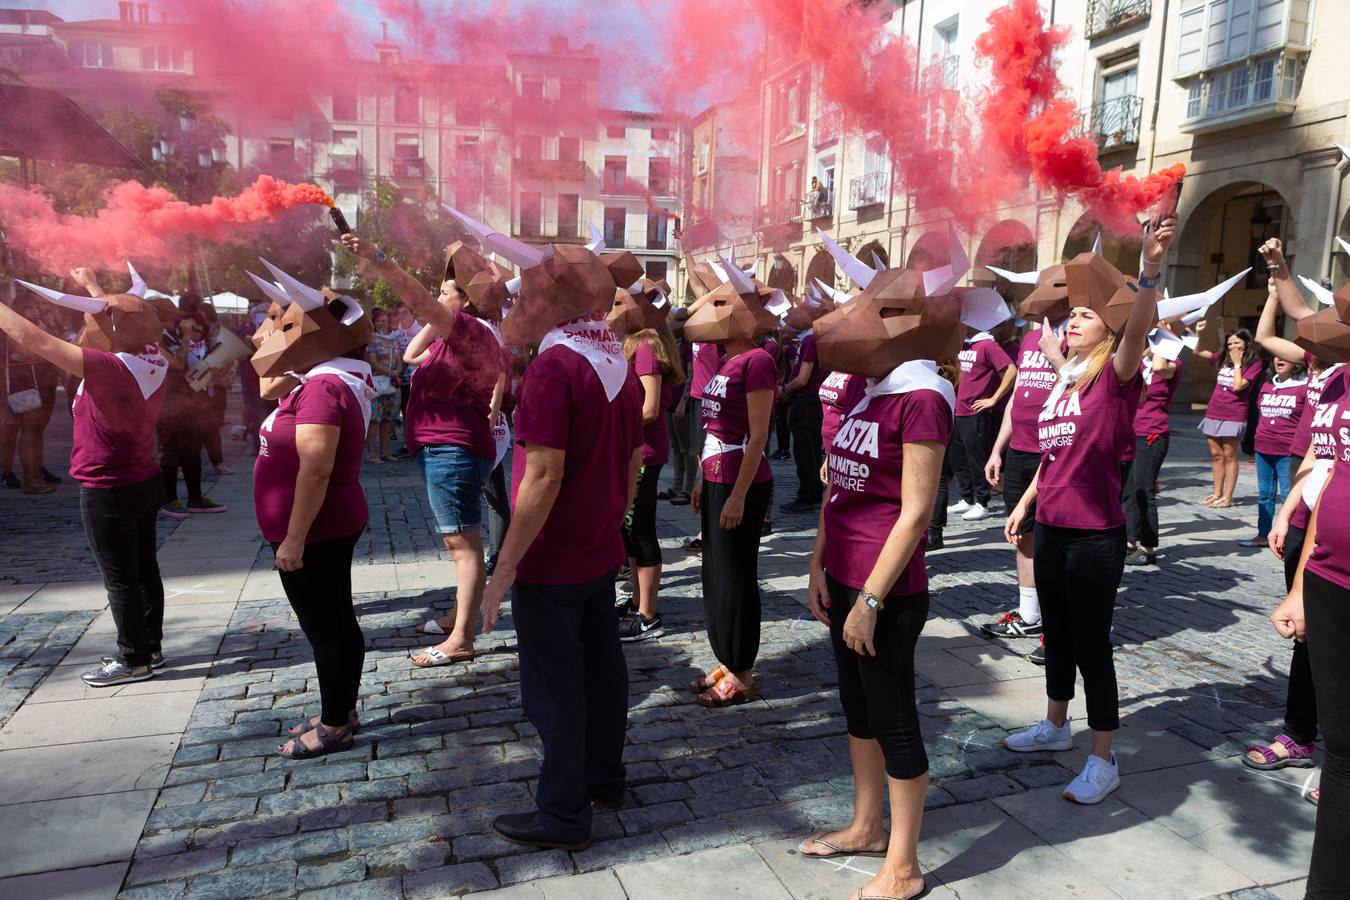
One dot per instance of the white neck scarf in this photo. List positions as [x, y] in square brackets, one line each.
[492, 328]
[977, 337]
[354, 373]
[149, 368]
[915, 375]
[1068, 376]
[592, 339]
[1279, 385]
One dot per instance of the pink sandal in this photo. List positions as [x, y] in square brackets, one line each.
[1300, 755]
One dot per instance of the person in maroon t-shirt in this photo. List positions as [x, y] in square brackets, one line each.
[1281, 401]
[112, 457]
[1152, 438]
[448, 426]
[1080, 526]
[987, 375]
[1225, 418]
[804, 418]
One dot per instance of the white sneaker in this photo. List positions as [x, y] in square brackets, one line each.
[1097, 779]
[959, 506]
[975, 513]
[1044, 735]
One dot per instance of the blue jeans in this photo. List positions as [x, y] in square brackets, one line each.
[455, 479]
[1272, 483]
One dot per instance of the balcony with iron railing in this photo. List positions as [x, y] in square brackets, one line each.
[1114, 123]
[566, 230]
[551, 169]
[1106, 16]
[779, 212]
[409, 167]
[868, 189]
[819, 205]
[621, 237]
[464, 168]
[941, 74]
[344, 168]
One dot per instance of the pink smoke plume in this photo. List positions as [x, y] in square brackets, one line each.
[145, 224]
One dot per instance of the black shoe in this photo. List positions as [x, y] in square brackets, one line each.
[934, 539]
[638, 627]
[491, 565]
[798, 507]
[49, 477]
[680, 499]
[624, 574]
[1142, 557]
[1010, 625]
[525, 828]
[157, 660]
[615, 802]
[766, 529]
[1037, 656]
[10, 480]
[693, 544]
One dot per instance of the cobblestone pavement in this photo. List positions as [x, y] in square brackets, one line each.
[718, 799]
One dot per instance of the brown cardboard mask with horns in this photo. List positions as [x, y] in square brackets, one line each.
[736, 310]
[315, 327]
[115, 323]
[1049, 300]
[889, 323]
[642, 306]
[1326, 333]
[479, 279]
[804, 313]
[570, 283]
[1094, 283]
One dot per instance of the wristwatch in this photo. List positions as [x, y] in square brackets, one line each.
[1146, 281]
[871, 599]
[380, 256]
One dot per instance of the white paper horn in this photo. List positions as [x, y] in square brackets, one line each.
[1321, 294]
[1165, 344]
[272, 291]
[91, 305]
[939, 281]
[1097, 244]
[838, 296]
[859, 272]
[138, 285]
[518, 252]
[1015, 277]
[739, 280]
[983, 309]
[1344, 245]
[1201, 302]
[309, 298]
[597, 244]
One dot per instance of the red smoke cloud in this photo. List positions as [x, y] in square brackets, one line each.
[139, 223]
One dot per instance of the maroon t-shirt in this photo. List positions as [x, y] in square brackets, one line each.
[838, 394]
[322, 400]
[563, 406]
[1324, 419]
[1154, 414]
[1331, 555]
[1035, 380]
[655, 436]
[1226, 404]
[113, 443]
[806, 353]
[982, 365]
[1282, 407]
[1081, 438]
[726, 416]
[1298, 447]
[866, 465]
[450, 394]
[706, 359]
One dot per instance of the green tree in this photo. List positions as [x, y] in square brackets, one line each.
[412, 229]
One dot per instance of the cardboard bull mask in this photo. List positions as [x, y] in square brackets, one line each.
[315, 327]
[116, 323]
[479, 279]
[641, 306]
[739, 309]
[890, 323]
[805, 313]
[1326, 333]
[570, 283]
[1094, 283]
[1049, 300]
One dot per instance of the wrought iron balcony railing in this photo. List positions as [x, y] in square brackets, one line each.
[868, 190]
[1105, 16]
[1114, 124]
[942, 74]
[819, 205]
[780, 212]
[409, 167]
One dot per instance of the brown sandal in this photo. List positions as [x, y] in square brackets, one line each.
[835, 849]
[724, 694]
[353, 725]
[707, 682]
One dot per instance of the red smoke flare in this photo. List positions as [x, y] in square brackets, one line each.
[144, 224]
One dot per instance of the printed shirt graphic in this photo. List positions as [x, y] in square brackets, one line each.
[1082, 435]
[1303, 434]
[1226, 404]
[1282, 406]
[726, 416]
[1035, 380]
[982, 364]
[1331, 440]
[838, 394]
[1154, 414]
[866, 464]
[322, 400]
[114, 433]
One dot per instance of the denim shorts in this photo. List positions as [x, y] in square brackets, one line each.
[455, 478]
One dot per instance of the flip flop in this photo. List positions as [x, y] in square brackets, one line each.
[1221, 504]
[430, 626]
[441, 659]
[835, 849]
[353, 724]
[328, 743]
[922, 893]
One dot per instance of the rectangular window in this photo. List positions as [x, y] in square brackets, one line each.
[1190, 39]
[616, 223]
[407, 146]
[658, 229]
[344, 104]
[658, 176]
[90, 54]
[703, 155]
[616, 174]
[468, 149]
[656, 269]
[1218, 94]
[163, 59]
[660, 134]
[281, 152]
[531, 210]
[530, 146]
[1194, 94]
[569, 148]
[616, 132]
[1238, 82]
[532, 88]
[405, 103]
[569, 220]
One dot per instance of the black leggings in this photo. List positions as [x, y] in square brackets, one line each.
[120, 525]
[499, 508]
[180, 447]
[731, 575]
[1326, 608]
[877, 692]
[805, 417]
[782, 430]
[1300, 702]
[1077, 574]
[972, 441]
[1141, 504]
[321, 595]
[939, 518]
[639, 526]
